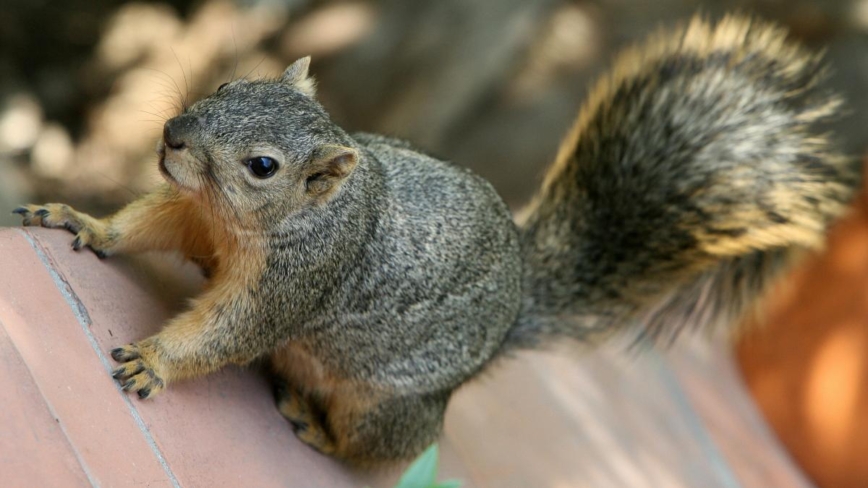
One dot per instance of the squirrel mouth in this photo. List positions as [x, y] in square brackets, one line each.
[161, 153]
[165, 171]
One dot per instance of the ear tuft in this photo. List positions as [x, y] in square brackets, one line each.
[297, 76]
[330, 167]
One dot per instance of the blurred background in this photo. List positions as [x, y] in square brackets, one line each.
[85, 86]
[491, 84]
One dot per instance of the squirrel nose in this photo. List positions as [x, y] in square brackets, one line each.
[177, 131]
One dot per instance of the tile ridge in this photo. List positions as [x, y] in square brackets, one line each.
[84, 320]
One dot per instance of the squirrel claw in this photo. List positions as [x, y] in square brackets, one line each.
[127, 370]
[125, 353]
[145, 384]
[117, 353]
[136, 374]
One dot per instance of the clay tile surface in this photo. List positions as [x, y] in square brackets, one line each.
[602, 419]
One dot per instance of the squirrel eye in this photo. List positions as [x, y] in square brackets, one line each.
[262, 166]
[222, 86]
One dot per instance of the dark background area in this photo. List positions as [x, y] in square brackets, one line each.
[86, 84]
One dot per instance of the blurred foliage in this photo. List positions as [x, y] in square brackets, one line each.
[423, 472]
[490, 84]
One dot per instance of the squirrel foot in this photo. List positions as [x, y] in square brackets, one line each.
[137, 371]
[89, 232]
[306, 424]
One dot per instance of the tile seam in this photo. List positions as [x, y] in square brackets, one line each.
[84, 320]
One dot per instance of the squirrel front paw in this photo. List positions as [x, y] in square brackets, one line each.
[89, 232]
[139, 372]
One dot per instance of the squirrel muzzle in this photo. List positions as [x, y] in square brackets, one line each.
[177, 164]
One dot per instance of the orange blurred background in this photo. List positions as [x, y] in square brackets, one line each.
[807, 363]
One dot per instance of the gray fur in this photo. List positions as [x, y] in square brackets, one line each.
[384, 279]
[688, 188]
[408, 255]
[402, 260]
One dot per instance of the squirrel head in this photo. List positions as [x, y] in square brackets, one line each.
[257, 151]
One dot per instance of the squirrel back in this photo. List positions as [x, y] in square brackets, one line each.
[694, 172]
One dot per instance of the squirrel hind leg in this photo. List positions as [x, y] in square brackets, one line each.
[364, 428]
[306, 420]
[387, 430]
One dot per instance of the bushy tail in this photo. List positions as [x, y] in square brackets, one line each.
[692, 174]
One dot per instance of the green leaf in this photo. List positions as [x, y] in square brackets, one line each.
[447, 484]
[423, 471]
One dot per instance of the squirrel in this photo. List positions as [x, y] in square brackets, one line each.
[375, 280]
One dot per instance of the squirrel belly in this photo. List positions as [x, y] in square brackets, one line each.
[377, 280]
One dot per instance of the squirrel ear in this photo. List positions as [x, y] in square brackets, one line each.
[331, 165]
[297, 76]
